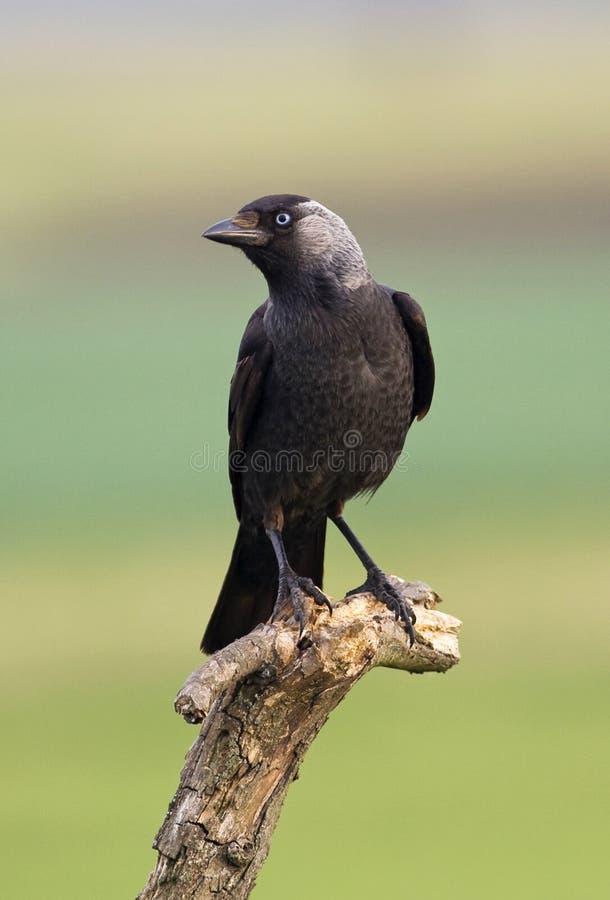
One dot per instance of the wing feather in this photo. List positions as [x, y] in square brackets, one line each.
[247, 383]
[414, 321]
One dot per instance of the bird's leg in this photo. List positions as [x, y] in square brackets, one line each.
[291, 585]
[377, 582]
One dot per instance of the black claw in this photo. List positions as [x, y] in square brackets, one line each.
[378, 585]
[319, 598]
[294, 586]
[305, 643]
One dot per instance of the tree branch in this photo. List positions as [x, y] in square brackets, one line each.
[262, 701]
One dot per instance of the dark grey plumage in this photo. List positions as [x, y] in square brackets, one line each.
[332, 369]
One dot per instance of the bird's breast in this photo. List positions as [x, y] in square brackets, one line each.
[335, 409]
[356, 392]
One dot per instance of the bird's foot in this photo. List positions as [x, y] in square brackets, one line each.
[295, 587]
[378, 584]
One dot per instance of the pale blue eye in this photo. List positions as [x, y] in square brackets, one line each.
[283, 219]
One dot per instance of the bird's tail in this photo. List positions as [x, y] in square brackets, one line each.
[250, 587]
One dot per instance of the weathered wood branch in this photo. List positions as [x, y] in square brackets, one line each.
[262, 701]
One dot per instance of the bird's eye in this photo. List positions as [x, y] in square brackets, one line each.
[283, 219]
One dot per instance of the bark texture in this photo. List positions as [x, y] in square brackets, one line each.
[262, 701]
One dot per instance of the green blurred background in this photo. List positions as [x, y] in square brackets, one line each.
[468, 147]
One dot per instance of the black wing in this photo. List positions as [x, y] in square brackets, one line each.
[414, 321]
[245, 393]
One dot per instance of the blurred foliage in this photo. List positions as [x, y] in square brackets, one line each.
[474, 169]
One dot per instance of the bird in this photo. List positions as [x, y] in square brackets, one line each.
[332, 370]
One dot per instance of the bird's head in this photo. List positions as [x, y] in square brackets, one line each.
[292, 238]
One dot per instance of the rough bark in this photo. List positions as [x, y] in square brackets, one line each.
[262, 701]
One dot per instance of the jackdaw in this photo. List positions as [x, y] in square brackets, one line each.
[332, 370]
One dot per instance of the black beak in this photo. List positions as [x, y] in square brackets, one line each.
[228, 232]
